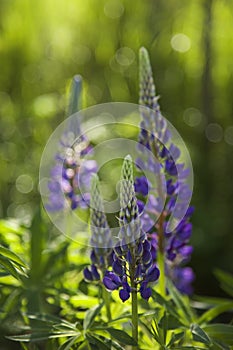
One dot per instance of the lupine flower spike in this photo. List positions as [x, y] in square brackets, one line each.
[132, 268]
[173, 246]
[65, 174]
[101, 242]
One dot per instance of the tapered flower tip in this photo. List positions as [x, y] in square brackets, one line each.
[124, 294]
[128, 158]
[143, 55]
[75, 95]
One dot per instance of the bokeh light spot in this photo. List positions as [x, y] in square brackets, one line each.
[45, 105]
[192, 116]
[113, 9]
[214, 132]
[228, 135]
[24, 183]
[125, 56]
[180, 42]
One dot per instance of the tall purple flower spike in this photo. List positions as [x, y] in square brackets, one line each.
[133, 267]
[173, 243]
[65, 177]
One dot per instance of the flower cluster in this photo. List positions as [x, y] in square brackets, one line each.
[66, 179]
[101, 240]
[157, 138]
[133, 268]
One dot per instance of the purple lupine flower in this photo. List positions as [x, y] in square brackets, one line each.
[66, 179]
[155, 135]
[133, 268]
[71, 171]
[101, 240]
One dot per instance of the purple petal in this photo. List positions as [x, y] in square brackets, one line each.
[87, 275]
[153, 274]
[124, 294]
[109, 284]
[117, 267]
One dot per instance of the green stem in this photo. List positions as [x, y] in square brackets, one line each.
[162, 281]
[106, 298]
[134, 317]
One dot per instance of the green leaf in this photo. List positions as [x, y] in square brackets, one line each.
[121, 336]
[9, 267]
[93, 339]
[12, 256]
[170, 322]
[166, 304]
[117, 346]
[84, 346]
[222, 332]
[213, 313]
[217, 345]
[67, 344]
[200, 335]
[226, 281]
[34, 337]
[52, 320]
[175, 338]
[181, 303]
[90, 316]
[189, 348]
[37, 244]
[53, 256]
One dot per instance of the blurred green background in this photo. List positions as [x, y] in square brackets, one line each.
[44, 43]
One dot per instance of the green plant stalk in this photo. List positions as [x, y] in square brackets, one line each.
[106, 299]
[134, 317]
[162, 279]
[161, 258]
[134, 301]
